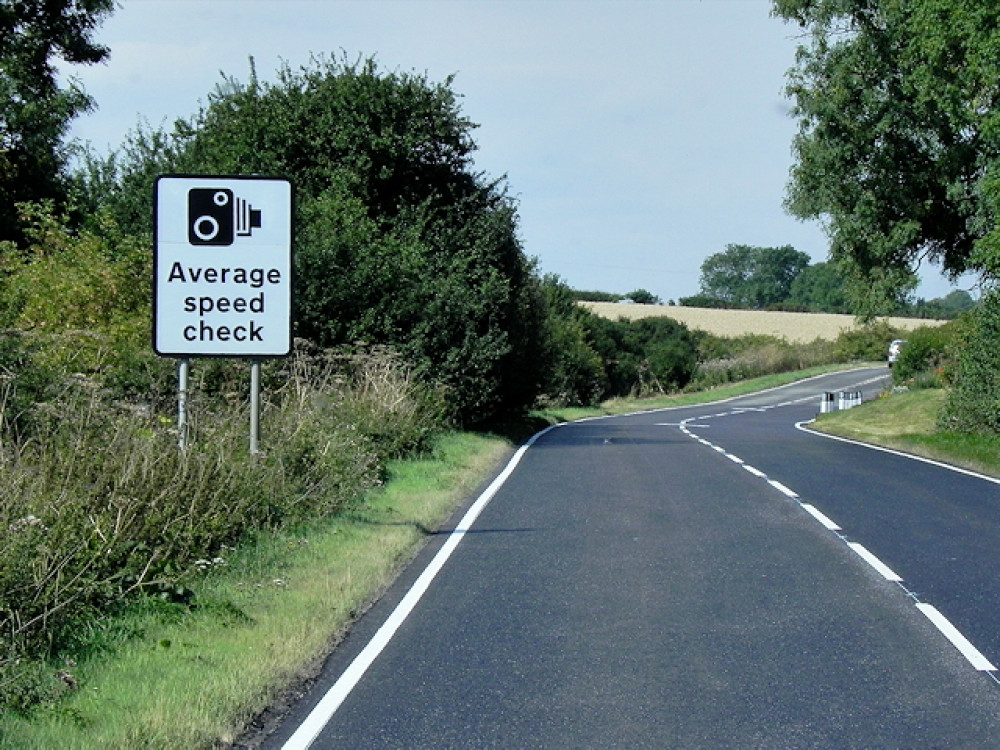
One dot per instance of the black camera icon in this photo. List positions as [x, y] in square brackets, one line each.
[217, 217]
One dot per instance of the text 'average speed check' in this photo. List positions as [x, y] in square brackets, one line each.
[223, 267]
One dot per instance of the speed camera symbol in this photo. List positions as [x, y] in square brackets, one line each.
[216, 217]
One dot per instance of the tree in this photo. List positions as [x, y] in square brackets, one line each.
[898, 150]
[643, 297]
[751, 277]
[34, 111]
[820, 288]
[399, 242]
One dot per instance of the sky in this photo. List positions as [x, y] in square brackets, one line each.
[637, 136]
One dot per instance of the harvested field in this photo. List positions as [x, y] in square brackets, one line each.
[794, 327]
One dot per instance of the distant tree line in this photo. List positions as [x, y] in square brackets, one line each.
[782, 278]
[639, 297]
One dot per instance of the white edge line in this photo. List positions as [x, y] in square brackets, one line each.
[804, 428]
[820, 516]
[958, 640]
[321, 714]
[756, 472]
[884, 570]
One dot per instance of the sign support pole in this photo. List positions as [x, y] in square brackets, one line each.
[182, 392]
[255, 407]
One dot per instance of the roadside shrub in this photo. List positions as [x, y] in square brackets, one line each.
[927, 357]
[100, 506]
[867, 343]
[23, 382]
[973, 403]
[645, 356]
[64, 280]
[574, 373]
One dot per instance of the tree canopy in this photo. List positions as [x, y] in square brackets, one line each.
[898, 150]
[34, 111]
[751, 277]
[399, 241]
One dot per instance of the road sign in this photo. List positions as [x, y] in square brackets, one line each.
[222, 266]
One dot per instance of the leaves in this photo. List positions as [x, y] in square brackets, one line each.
[34, 111]
[751, 277]
[399, 242]
[897, 148]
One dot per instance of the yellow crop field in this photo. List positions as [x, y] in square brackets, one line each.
[795, 327]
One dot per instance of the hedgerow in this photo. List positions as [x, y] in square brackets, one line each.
[100, 505]
[973, 403]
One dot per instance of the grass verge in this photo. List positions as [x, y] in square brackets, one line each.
[908, 422]
[193, 676]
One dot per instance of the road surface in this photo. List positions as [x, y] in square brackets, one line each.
[708, 576]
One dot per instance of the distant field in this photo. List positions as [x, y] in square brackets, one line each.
[795, 327]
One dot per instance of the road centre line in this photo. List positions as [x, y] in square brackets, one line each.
[884, 570]
[782, 489]
[954, 636]
[959, 641]
[321, 714]
[820, 516]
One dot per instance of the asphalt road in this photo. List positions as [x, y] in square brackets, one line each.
[699, 577]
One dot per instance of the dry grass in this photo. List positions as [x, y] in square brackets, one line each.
[794, 327]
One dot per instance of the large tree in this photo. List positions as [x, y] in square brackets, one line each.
[751, 277]
[898, 151]
[399, 240]
[820, 288]
[35, 111]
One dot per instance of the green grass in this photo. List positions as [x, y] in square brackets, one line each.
[908, 422]
[194, 677]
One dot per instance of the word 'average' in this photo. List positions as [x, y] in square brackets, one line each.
[254, 277]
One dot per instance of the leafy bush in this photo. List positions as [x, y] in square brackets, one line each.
[400, 242]
[645, 356]
[868, 343]
[574, 371]
[928, 355]
[973, 403]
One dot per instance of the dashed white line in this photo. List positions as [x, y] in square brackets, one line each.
[965, 647]
[884, 570]
[782, 489]
[958, 640]
[820, 516]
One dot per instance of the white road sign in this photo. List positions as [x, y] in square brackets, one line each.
[222, 267]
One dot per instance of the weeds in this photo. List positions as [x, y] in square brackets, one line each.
[751, 356]
[99, 506]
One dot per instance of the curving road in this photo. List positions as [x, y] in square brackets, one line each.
[695, 577]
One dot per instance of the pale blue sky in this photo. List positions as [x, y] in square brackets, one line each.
[639, 136]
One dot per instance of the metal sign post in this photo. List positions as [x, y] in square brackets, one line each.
[182, 392]
[255, 407]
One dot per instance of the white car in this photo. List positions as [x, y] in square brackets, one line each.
[894, 349]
